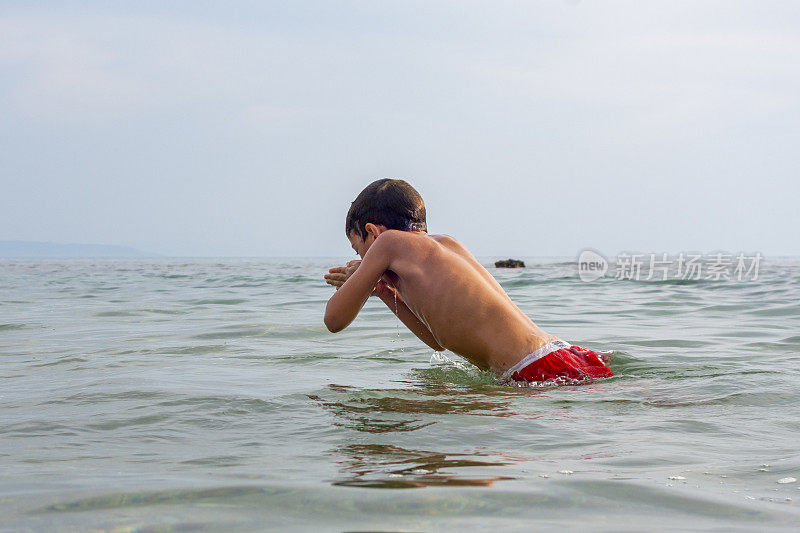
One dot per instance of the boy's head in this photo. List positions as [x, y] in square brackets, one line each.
[387, 202]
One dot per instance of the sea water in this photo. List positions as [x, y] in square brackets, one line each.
[206, 395]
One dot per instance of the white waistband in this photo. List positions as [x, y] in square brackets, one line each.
[531, 357]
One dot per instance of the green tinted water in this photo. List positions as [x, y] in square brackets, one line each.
[208, 395]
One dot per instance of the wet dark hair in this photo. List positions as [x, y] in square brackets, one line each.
[388, 202]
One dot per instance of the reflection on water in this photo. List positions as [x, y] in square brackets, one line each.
[379, 411]
[387, 410]
[391, 467]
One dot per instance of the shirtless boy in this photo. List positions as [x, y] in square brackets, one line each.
[442, 294]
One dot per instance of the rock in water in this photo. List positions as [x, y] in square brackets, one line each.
[509, 263]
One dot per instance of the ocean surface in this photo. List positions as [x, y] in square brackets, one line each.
[207, 395]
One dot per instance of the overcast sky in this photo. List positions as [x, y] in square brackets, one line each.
[529, 128]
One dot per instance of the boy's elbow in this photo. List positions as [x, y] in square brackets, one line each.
[333, 325]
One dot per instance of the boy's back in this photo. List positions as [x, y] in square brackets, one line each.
[463, 306]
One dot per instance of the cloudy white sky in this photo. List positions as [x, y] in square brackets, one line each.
[530, 128]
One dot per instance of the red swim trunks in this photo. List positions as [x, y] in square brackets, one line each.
[559, 361]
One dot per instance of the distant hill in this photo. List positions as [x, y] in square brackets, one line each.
[51, 249]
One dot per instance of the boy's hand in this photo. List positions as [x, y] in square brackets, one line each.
[336, 277]
[383, 287]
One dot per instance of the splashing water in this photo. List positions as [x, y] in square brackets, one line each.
[397, 324]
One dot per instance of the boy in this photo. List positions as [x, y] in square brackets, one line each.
[441, 293]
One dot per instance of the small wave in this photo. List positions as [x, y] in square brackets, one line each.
[778, 310]
[668, 343]
[741, 399]
[144, 420]
[530, 282]
[232, 405]
[669, 281]
[36, 428]
[298, 279]
[726, 307]
[63, 360]
[219, 301]
[235, 334]
[190, 350]
[166, 311]
[790, 343]
[147, 498]
[215, 460]
[116, 313]
[173, 350]
[86, 398]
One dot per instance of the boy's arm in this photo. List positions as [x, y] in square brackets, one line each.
[338, 276]
[395, 302]
[347, 301]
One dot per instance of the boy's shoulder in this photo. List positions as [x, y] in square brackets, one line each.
[415, 238]
[407, 244]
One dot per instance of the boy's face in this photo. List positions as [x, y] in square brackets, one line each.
[358, 244]
[362, 245]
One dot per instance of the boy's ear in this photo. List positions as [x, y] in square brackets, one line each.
[373, 229]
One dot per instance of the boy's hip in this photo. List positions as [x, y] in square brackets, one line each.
[559, 360]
